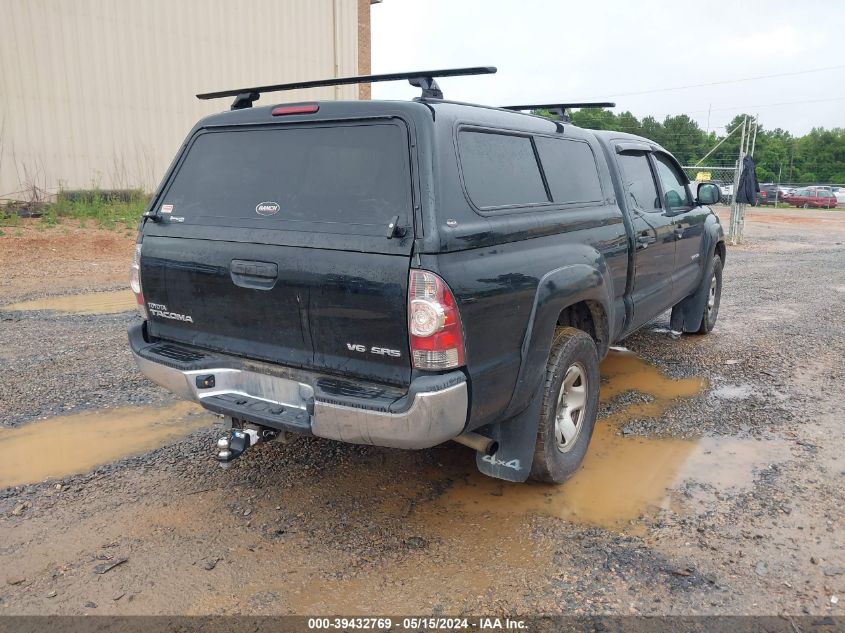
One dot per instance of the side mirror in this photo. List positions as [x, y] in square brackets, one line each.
[708, 193]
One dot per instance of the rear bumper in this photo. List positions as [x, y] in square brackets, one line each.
[433, 410]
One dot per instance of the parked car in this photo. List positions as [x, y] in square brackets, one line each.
[812, 198]
[839, 192]
[768, 194]
[408, 273]
[831, 189]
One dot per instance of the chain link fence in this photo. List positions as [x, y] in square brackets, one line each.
[725, 177]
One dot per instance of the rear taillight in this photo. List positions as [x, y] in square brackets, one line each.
[434, 324]
[135, 282]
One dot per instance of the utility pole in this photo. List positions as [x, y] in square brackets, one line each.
[754, 142]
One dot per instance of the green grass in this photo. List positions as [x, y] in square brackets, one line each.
[109, 210]
[8, 217]
[106, 211]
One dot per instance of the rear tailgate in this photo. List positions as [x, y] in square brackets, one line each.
[273, 245]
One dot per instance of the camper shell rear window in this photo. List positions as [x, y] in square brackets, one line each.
[338, 178]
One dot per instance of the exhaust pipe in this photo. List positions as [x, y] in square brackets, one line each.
[483, 445]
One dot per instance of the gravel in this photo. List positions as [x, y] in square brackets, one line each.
[53, 364]
[319, 527]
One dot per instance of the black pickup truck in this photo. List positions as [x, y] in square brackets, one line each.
[407, 273]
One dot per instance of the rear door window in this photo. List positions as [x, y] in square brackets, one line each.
[335, 178]
[500, 170]
[570, 169]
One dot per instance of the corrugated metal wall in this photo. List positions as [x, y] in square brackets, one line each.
[101, 92]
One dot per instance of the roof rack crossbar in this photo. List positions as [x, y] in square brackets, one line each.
[559, 109]
[561, 106]
[421, 78]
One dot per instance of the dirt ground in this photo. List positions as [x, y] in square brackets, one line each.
[715, 482]
[37, 261]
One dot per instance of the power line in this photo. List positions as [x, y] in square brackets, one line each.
[720, 83]
[768, 105]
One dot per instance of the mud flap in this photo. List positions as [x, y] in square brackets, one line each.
[687, 315]
[517, 438]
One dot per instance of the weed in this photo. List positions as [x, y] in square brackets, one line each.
[106, 209]
[50, 217]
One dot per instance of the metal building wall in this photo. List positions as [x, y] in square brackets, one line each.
[101, 92]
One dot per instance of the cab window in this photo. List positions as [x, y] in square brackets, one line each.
[675, 193]
[640, 190]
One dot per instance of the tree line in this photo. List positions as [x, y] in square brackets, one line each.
[817, 157]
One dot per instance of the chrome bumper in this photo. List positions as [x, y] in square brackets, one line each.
[431, 417]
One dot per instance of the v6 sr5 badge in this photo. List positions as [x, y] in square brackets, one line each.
[380, 351]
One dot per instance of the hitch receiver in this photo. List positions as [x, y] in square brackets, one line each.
[233, 445]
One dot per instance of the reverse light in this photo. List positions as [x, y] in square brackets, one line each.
[135, 282]
[308, 108]
[434, 323]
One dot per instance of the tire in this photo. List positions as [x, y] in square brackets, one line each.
[714, 298]
[806, 205]
[573, 357]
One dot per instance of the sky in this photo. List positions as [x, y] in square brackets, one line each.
[548, 51]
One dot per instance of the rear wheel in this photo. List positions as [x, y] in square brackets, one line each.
[570, 404]
[806, 205]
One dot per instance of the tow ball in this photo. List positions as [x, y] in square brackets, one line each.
[240, 438]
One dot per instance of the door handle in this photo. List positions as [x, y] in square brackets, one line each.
[644, 239]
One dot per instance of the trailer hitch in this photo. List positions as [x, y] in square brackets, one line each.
[240, 438]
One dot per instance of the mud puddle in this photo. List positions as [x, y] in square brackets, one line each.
[89, 303]
[624, 372]
[625, 477]
[70, 444]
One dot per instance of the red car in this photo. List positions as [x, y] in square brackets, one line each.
[811, 198]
